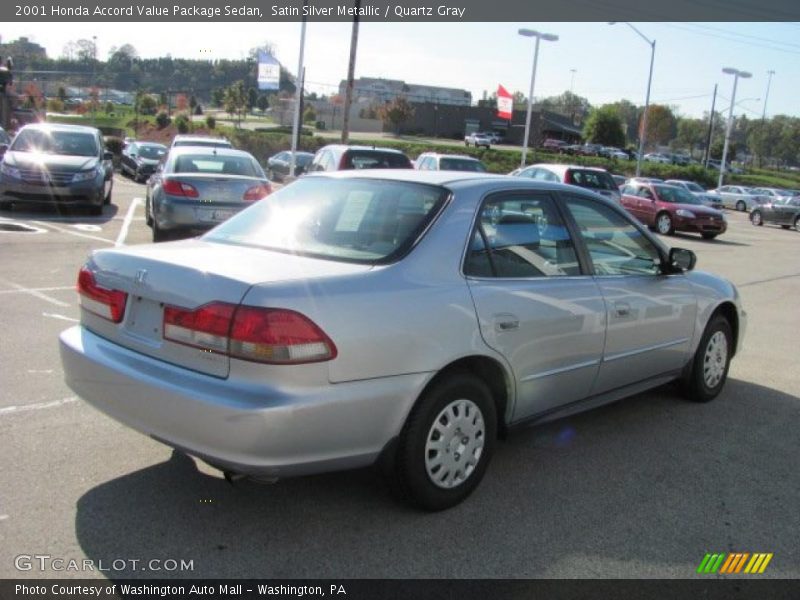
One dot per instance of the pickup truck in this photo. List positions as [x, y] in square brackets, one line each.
[477, 140]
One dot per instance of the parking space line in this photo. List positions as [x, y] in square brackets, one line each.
[126, 224]
[33, 292]
[60, 317]
[75, 233]
[7, 410]
[43, 289]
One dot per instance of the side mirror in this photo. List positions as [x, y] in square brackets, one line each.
[682, 259]
[108, 155]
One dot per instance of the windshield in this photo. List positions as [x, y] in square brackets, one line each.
[68, 143]
[352, 220]
[676, 195]
[461, 164]
[152, 152]
[693, 187]
[372, 159]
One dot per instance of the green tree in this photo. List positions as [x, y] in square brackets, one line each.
[262, 103]
[217, 97]
[396, 113]
[691, 134]
[661, 125]
[252, 98]
[146, 104]
[603, 126]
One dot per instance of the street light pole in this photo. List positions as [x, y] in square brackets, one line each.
[548, 37]
[736, 75]
[297, 123]
[766, 97]
[643, 130]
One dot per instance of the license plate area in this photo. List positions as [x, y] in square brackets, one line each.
[144, 320]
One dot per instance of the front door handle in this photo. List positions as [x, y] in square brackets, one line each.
[622, 309]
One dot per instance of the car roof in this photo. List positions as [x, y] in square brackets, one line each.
[565, 167]
[200, 138]
[345, 148]
[60, 127]
[207, 150]
[458, 156]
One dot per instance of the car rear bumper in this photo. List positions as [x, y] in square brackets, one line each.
[255, 429]
[178, 213]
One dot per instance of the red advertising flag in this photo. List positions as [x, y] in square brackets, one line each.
[505, 103]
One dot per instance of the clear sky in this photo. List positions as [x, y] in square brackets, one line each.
[610, 62]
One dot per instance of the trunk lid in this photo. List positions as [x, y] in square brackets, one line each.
[189, 274]
[218, 189]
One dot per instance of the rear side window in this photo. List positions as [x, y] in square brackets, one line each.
[371, 159]
[593, 180]
[521, 236]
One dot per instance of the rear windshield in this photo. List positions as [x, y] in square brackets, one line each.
[69, 143]
[352, 220]
[218, 165]
[593, 180]
[461, 164]
[375, 159]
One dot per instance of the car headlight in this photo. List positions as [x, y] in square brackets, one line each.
[10, 171]
[86, 175]
[685, 213]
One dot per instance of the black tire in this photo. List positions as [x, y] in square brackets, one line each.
[797, 223]
[664, 224]
[786, 226]
[741, 206]
[147, 218]
[700, 386]
[159, 235]
[412, 461]
[95, 210]
[756, 218]
[107, 198]
[708, 236]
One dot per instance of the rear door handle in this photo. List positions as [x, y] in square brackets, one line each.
[622, 309]
[506, 322]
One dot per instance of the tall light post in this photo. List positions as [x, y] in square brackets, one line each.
[548, 37]
[572, 80]
[736, 75]
[770, 73]
[298, 96]
[643, 131]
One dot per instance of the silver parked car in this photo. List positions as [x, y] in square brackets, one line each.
[198, 187]
[737, 197]
[405, 316]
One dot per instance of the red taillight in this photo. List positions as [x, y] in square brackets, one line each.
[174, 187]
[257, 192]
[104, 302]
[267, 335]
[568, 176]
[206, 327]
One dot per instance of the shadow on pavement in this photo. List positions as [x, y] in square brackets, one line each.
[641, 488]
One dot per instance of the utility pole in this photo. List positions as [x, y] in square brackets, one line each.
[351, 71]
[298, 95]
[710, 128]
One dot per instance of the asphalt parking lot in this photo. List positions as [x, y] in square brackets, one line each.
[642, 488]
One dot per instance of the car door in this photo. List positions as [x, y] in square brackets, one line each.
[650, 315]
[534, 303]
[128, 158]
[646, 205]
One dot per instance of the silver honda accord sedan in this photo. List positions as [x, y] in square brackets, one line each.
[407, 318]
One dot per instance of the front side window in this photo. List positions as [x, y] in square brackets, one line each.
[616, 246]
[521, 236]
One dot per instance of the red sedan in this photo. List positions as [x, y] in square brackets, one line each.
[667, 209]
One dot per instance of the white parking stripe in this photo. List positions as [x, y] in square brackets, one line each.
[44, 289]
[7, 410]
[75, 233]
[126, 224]
[60, 317]
[33, 292]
